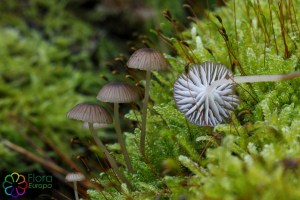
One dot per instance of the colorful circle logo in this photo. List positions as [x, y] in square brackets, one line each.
[15, 185]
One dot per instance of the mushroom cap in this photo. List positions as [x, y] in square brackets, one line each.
[147, 59]
[89, 112]
[118, 92]
[74, 177]
[201, 104]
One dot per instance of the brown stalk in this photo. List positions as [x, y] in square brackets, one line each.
[295, 16]
[49, 143]
[52, 167]
[272, 25]
[282, 27]
[175, 26]
[249, 20]
[235, 27]
[46, 163]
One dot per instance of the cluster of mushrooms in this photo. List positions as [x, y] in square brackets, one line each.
[205, 95]
[95, 116]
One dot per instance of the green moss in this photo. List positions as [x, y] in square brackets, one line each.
[255, 155]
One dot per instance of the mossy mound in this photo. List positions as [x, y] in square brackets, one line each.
[255, 154]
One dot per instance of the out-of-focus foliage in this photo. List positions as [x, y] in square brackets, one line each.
[52, 55]
[37, 89]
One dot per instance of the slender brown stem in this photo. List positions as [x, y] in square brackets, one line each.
[282, 27]
[120, 138]
[235, 26]
[52, 166]
[109, 157]
[46, 163]
[23, 122]
[272, 26]
[144, 115]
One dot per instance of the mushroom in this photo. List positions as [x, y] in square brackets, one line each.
[116, 93]
[205, 94]
[93, 113]
[146, 59]
[75, 177]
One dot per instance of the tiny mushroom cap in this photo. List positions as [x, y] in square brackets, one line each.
[91, 113]
[147, 59]
[118, 92]
[74, 177]
[201, 103]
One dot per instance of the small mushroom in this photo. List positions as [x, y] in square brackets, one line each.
[116, 93]
[93, 113]
[75, 177]
[193, 98]
[149, 60]
[205, 94]
[90, 113]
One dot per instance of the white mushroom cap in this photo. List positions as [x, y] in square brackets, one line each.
[88, 112]
[147, 59]
[118, 92]
[74, 177]
[201, 104]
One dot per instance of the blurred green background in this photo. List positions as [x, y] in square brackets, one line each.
[55, 54]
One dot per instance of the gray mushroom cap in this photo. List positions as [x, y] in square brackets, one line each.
[118, 92]
[89, 112]
[147, 59]
[201, 104]
[74, 177]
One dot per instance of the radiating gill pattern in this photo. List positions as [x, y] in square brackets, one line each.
[201, 104]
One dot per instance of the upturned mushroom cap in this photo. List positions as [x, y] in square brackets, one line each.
[118, 92]
[89, 112]
[202, 104]
[74, 177]
[147, 59]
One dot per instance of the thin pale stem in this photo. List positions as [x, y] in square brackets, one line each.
[258, 78]
[120, 138]
[144, 115]
[111, 160]
[75, 190]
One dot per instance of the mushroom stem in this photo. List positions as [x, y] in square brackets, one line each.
[258, 78]
[110, 159]
[75, 190]
[144, 116]
[120, 138]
